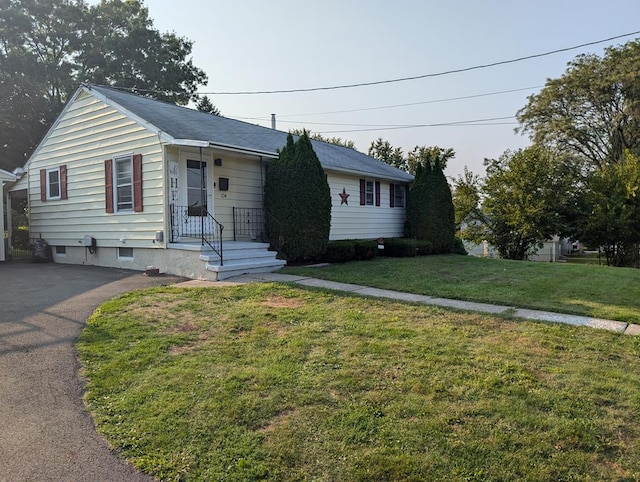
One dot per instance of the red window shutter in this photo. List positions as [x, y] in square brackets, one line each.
[377, 193]
[43, 185]
[392, 193]
[363, 196]
[137, 183]
[108, 185]
[63, 182]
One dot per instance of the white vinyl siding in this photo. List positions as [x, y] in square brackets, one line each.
[353, 221]
[88, 133]
[245, 187]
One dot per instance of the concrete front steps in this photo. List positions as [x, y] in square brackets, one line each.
[241, 258]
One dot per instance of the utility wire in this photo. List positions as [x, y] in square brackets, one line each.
[474, 122]
[433, 101]
[424, 76]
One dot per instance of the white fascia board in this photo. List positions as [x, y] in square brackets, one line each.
[242, 150]
[189, 143]
[53, 126]
[7, 176]
[368, 174]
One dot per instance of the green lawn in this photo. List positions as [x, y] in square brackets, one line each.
[282, 383]
[600, 291]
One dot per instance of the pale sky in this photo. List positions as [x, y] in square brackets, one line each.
[257, 45]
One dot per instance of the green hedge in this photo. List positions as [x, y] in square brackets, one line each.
[344, 250]
[425, 248]
[400, 247]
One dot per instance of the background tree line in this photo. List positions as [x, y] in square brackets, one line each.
[49, 47]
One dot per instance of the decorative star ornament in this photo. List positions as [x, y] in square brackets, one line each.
[344, 197]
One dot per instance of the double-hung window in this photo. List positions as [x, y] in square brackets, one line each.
[53, 183]
[123, 184]
[399, 196]
[123, 188]
[369, 193]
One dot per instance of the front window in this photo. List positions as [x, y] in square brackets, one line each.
[123, 185]
[369, 193]
[53, 183]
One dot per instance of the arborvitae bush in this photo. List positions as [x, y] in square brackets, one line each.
[297, 202]
[430, 213]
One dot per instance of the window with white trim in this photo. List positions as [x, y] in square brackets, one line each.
[123, 183]
[53, 183]
[369, 195]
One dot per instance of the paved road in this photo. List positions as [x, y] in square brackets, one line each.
[45, 431]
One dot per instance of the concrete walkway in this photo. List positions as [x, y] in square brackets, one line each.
[536, 315]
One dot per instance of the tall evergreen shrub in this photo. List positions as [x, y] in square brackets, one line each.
[430, 213]
[298, 202]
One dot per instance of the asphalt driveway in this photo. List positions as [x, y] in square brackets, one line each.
[46, 433]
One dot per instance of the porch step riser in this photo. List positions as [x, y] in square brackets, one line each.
[212, 257]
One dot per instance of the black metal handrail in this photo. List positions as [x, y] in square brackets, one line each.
[248, 223]
[196, 222]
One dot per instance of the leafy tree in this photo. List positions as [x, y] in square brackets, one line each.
[527, 195]
[612, 214]
[385, 152]
[428, 155]
[466, 200]
[593, 110]
[430, 213]
[204, 104]
[297, 200]
[48, 47]
[338, 141]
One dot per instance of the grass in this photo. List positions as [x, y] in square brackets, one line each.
[273, 382]
[600, 291]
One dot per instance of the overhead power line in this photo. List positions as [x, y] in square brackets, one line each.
[432, 101]
[473, 122]
[423, 76]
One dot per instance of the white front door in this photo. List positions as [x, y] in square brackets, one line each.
[196, 195]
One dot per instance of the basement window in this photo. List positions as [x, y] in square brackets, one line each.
[125, 253]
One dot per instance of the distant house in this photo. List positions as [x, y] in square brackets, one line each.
[125, 181]
[5, 177]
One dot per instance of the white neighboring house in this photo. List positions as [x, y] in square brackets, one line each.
[5, 177]
[551, 251]
[125, 181]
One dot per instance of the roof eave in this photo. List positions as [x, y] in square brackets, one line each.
[369, 174]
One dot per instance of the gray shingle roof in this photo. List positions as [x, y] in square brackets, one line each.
[184, 123]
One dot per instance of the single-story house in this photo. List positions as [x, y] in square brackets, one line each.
[122, 180]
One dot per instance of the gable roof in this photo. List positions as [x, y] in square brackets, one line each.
[181, 125]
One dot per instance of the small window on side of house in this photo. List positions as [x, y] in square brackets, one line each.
[369, 193]
[61, 250]
[53, 183]
[399, 196]
[125, 253]
[123, 183]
